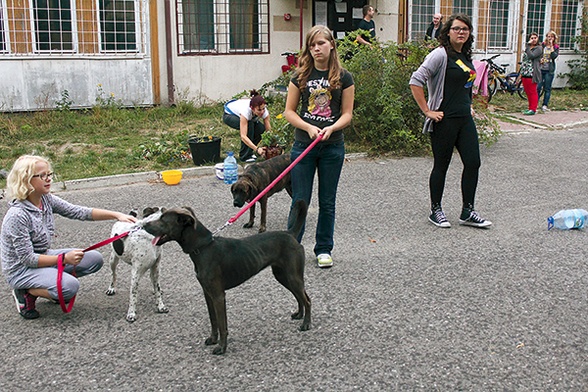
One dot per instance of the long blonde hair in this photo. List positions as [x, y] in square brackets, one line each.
[18, 182]
[554, 37]
[306, 61]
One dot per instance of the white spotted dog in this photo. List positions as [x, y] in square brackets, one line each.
[137, 250]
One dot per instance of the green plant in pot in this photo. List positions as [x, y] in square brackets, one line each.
[273, 142]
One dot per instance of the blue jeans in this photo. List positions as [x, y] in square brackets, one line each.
[328, 160]
[545, 84]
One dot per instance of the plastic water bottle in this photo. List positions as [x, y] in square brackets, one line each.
[568, 219]
[230, 169]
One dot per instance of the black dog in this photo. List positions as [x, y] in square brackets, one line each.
[255, 179]
[224, 263]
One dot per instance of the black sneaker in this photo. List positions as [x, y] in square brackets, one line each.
[438, 218]
[474, 219]
[25, 304]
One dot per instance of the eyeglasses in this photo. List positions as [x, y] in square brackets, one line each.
[44, 176]
[460, 29]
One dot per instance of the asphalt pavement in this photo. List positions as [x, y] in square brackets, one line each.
[407, 306]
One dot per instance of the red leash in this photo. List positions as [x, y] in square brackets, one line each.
[61, 266]
[272, 184]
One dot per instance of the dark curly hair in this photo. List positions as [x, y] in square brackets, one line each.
[466, 49]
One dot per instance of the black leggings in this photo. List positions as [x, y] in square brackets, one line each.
[460, 133]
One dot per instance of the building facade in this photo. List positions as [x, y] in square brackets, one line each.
[150, 52]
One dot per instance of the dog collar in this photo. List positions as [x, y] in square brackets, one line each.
[197, 250]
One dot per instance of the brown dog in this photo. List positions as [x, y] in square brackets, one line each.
[224, 263]
[255, 179]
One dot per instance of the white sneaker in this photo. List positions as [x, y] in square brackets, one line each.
[324, 260]
[251, 159]
[545, 108]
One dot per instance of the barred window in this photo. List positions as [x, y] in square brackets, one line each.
[536, 11]
[118, 25]
[223, 26]
[498, 24]
[569, 23]
[422, 12]
[561, 16]
[464, 7]
[73, 27]
[53, 25]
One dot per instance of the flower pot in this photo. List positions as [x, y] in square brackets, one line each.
[205, 149]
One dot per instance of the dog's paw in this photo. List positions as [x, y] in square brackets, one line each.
[305, 327]
[261, 229]
[131, 317]
[219, 350]
[210, 341]
[297, 315]
[110, 291]
[162, 309]
[248, 225]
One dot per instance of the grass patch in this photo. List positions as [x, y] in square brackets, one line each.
[561, 99]
[109, 140]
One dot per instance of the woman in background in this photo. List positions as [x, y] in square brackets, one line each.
[533, 53]
[244, 115]
[547, 61]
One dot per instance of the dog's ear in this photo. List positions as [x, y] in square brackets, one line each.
[188, 218]
[193, 233]
[133, 213]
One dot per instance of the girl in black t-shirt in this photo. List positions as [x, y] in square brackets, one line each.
[450, 97]
[326, 93]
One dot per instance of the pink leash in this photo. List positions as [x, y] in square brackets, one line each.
[61, 266]
[271, 185]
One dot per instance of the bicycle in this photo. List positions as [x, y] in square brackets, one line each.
[498, 79]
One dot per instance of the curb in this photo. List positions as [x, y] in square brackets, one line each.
[517, 120]
[126, 179]
[150, 177]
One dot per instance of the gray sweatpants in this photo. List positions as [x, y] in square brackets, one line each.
[46, 278]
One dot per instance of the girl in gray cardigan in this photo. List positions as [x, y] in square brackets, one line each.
[449, 74]
[28, 263]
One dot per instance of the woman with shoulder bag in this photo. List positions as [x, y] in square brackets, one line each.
[531, 62]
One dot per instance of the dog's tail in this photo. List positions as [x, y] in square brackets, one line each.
[297, 217]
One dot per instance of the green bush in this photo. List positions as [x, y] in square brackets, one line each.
[386, 118]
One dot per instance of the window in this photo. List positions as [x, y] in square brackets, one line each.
[3, 37]
[53, 25]
[118, 25]
[569, 22]
[223, 26]
[464, 7]
[498, 24]
[536, 12]
[421, 17]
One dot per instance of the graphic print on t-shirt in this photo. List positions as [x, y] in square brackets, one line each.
[467, 69]
[319, 102]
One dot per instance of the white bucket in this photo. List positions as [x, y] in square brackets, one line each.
[219, 171]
